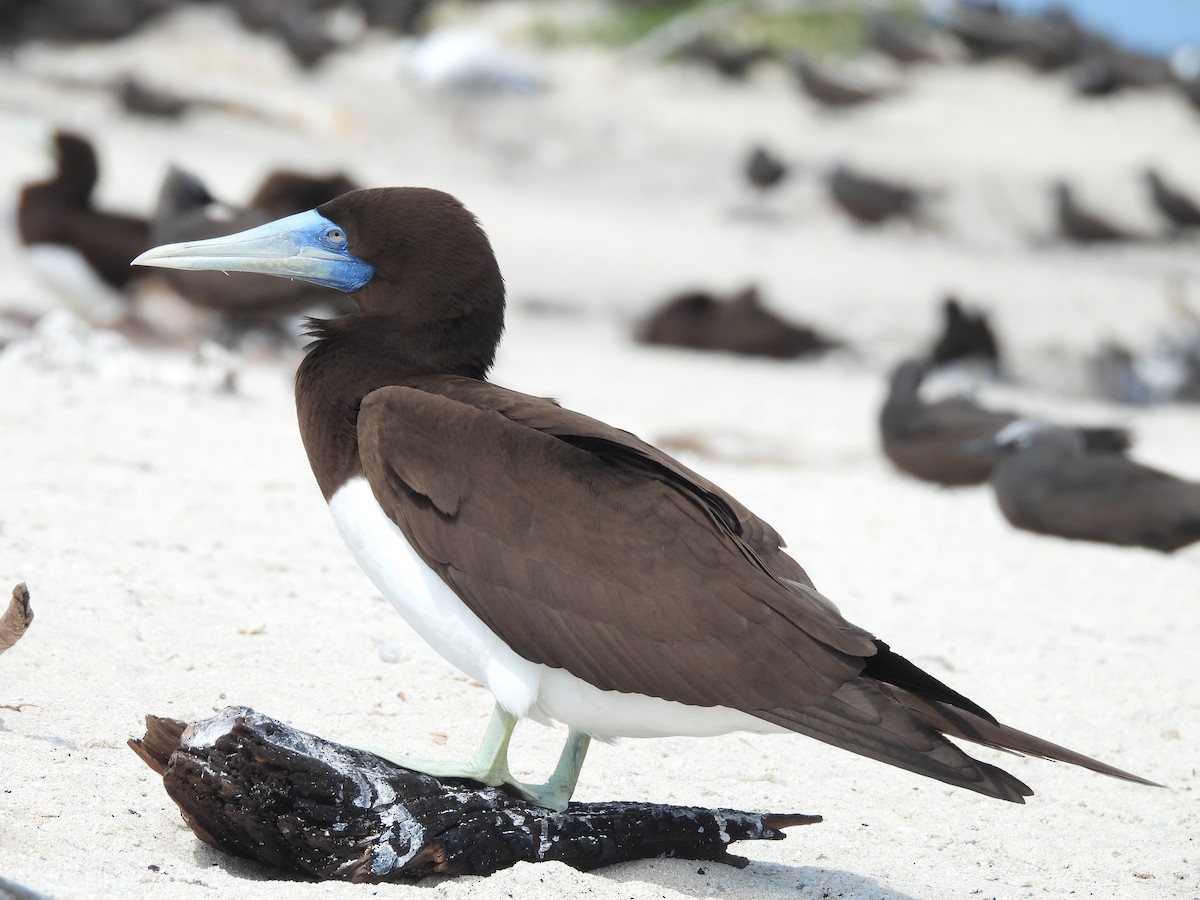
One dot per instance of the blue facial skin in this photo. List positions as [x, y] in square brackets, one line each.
[306, 245]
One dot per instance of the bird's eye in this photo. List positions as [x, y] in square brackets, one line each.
[335, 238]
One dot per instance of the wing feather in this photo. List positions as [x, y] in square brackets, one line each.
[621, 574]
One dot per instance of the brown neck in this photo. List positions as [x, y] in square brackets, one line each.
[354, 355]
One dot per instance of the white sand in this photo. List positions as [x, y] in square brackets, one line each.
[180, 558]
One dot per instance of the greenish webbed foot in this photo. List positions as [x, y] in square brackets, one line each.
[490, 765]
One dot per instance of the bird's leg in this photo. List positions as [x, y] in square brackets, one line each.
[556, 793]
[490, 764]
[491, 759]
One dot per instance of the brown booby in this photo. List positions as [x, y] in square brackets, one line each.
[141, 99]
[828, 91]
[577, 572]
[1081, 225]
[60, 211]
[1182, 211]
[949, 441]
[740, 324]
[869, 199]
[1047, 483]
[727, 60]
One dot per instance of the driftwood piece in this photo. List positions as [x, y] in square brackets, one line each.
[256, 788]
[16, 619]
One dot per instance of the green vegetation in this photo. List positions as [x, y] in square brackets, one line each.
[827, 29]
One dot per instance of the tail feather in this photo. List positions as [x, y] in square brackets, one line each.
[897, 726]
[961, 723]
[865, 719]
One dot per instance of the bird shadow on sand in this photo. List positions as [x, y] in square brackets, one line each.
[759, 880]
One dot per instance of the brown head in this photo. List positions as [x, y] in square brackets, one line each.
[414, 256]
[78, 170]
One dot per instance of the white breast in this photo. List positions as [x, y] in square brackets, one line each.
[524, 688]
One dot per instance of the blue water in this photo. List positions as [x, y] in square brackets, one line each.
[1152, 26]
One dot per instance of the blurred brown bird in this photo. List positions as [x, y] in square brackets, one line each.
[830, 91]
[869, 199]
[1081, 225]
[740, 324]
[59, 211]
[1178, 207]
[1045, 482]
[142, 100]
[727, 60]
[933, 441]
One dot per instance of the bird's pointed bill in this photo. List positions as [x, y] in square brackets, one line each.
[306, 245]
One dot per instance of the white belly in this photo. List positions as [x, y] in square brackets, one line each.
[524, 688]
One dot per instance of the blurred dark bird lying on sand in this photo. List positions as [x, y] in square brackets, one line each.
[872, 200]
[830, 91]
[142, 100]
[1075, 223]
[1180, 209]
[727, 60]
[932, 440]
[739, 324]
[1046, 482]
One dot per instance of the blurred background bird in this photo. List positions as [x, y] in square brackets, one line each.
[1046, 482]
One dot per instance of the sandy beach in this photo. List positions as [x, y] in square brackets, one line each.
[180, 557]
